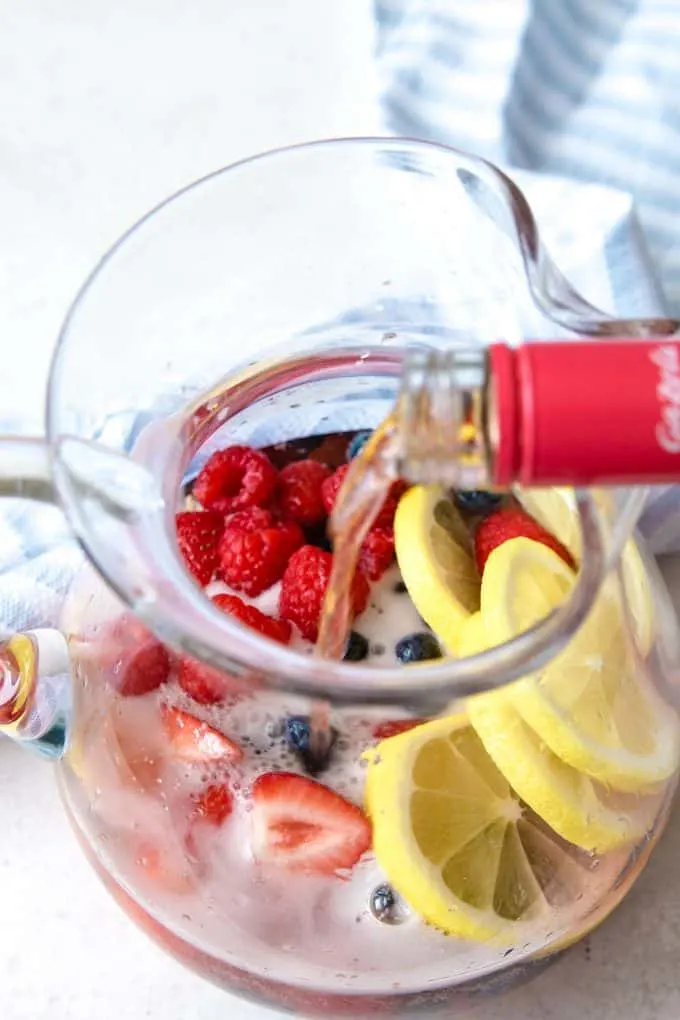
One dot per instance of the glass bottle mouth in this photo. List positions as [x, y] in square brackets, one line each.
[247, 405]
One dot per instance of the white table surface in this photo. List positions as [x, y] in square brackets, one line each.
[105, 109]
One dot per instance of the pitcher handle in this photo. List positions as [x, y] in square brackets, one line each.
[35, 675]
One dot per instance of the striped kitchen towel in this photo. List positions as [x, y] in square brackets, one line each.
[586, 89]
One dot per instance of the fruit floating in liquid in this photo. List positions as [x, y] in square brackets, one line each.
[505, 823]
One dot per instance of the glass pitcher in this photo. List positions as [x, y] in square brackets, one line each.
[499, 797]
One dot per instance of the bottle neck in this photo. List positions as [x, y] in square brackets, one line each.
[442, 412]
[578, 413]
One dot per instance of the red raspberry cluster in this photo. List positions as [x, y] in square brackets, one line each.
[260, 525]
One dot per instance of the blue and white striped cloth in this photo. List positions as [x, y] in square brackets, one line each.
[586, 89]
[38, 558]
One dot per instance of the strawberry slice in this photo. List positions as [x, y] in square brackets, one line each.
[512, 522]
[142, 669]
[196, 741]
[391, 728]
[208, 810]
[130, 656]
[301, 825]
[213, 805]
[166, 867]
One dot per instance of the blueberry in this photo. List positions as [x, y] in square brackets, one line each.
[418, 648]
[297, 732]
[298, 737]
[385, 906]
[477, 501]
[357, 647]
[383, 901]
[357, 443]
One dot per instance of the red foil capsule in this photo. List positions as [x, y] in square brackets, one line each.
[586, 413]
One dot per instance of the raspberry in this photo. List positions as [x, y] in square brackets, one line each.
[251, 519]
[252, 561]
[331, 487]
[304, 586]
[293, 535]
[198, 535]
[385, 518]
[254, 550]
[377, 552]
[234, 479]
[512, 522]
[298, 494]
[204, 684]
[277, 630]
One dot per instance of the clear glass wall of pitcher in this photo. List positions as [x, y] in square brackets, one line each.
[478, 809]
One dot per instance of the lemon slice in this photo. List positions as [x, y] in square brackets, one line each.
[455, 842]
[578, 809]
[588, 704]
[472, 636]
[432, 548]
[556, 510]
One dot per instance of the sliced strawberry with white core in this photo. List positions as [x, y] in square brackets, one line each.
[196, 741]
[301, 825]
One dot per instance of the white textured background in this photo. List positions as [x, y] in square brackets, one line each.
[104, 109]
